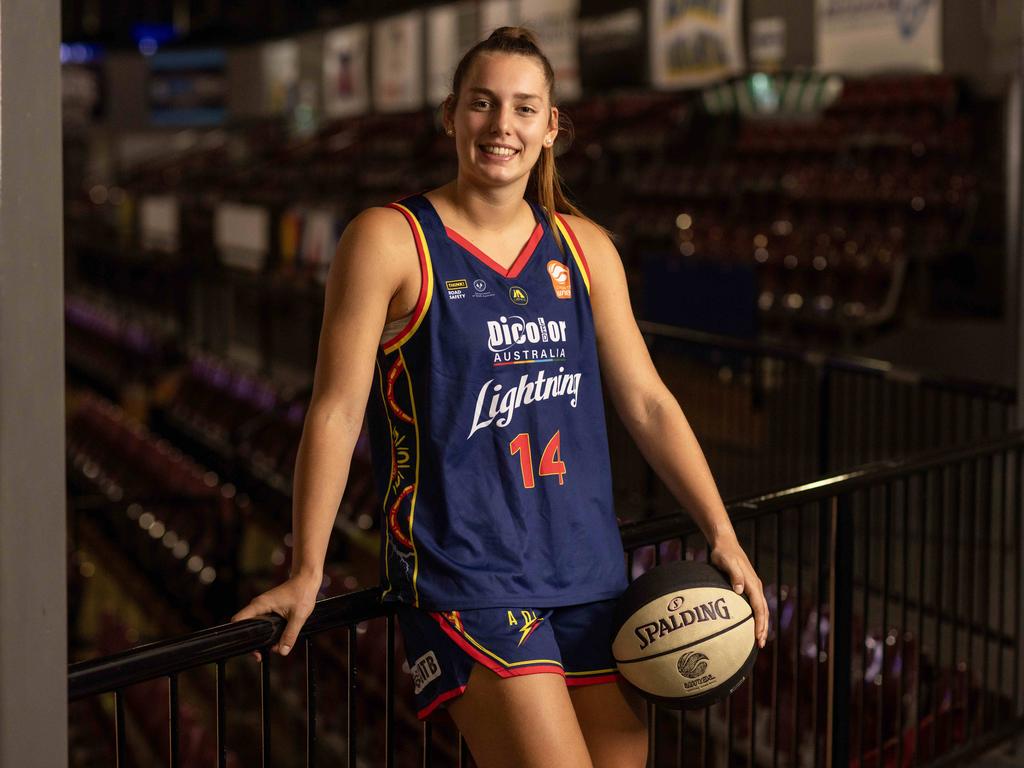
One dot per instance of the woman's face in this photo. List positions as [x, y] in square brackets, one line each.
[503, 117]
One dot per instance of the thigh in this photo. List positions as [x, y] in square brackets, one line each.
[611, 716]
[525, 721]
[613, 720]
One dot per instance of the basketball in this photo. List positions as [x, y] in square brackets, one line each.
[682, 636]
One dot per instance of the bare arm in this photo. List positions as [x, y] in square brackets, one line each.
[654, 419]
[366, 274]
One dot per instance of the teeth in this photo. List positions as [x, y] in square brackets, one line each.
[502, 151]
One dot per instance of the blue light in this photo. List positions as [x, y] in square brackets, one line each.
[148, 46]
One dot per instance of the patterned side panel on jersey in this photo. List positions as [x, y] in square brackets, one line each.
[399, 501]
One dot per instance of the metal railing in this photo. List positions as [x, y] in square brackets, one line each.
[769, 415]
[917, 562]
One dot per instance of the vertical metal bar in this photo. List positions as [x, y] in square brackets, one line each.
[940, 534]
[1001, 593]
[428, 744]
[986, 481]
[172, 719]
[841, 656]
[265, 758]
[353, 694]
[924, 498]
[311, 708]
[751, 679]
[463, 753]
[1018, 545]
[862, 725]
[902, 638]
[888, 506]
[222, 742]
[956, 494]
[389, 695]
[799, 532]
[119, 736]
[972, 567]
[777, 643]
[821, 558]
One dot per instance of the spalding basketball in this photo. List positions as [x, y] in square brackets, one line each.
[683, 637]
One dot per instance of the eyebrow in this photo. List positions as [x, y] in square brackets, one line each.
[487, 92]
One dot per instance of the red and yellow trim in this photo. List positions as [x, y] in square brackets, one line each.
[521, 259]
[428, 710]
[574, 248]
[493, 661]
[426, 282]
[595, 677]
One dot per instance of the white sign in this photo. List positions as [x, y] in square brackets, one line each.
[159, 223]
[871, 35]
[346, 83]
[694, 42]
[451, 31]
[556, 25]
[397, 71]
[242, 235]
[280, 62]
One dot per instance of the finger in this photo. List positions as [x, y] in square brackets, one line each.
[250, 611]
[291, 631]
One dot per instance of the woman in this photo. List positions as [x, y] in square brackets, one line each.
[500, 545]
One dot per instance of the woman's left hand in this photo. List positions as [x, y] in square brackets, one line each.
[728, 556]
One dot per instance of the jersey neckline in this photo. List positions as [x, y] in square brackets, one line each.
[521, 260]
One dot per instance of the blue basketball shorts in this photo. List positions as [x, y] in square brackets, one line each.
[574, 641]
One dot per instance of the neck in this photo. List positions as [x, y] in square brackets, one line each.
[484, 209]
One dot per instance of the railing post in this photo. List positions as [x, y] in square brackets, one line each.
[841, 616]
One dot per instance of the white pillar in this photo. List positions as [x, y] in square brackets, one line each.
[33, 623]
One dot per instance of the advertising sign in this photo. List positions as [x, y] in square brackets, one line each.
[870, 35]
[694, 42]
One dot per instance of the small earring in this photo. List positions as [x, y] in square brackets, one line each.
[547, 142]
[450, 131]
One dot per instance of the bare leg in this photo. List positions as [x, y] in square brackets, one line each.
[519, 722]
[613, 719]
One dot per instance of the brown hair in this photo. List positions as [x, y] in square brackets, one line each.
[547, 181]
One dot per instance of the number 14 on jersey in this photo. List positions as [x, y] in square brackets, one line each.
[550, 460]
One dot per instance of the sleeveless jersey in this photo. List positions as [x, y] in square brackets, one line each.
[488, 433]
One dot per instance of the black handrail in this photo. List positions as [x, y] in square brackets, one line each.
[842, 361]
[173, 655]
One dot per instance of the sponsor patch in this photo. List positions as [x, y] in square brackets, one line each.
[518, 295]
[559, 275]
[425, 671]
[456, 288]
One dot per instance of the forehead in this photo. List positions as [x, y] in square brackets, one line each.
[506, 74]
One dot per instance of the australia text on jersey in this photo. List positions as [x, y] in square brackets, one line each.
[507, 337]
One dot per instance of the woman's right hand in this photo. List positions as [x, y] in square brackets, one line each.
[293, 600]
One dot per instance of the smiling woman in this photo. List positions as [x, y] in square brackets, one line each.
[482, 317]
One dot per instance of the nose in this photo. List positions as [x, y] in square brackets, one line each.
[501, 122]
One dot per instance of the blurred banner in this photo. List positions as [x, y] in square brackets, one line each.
[451, 31]
[694, 43]
[187, 87]
[612, 50]
[555, 22]
[859, 36]
[397, 63]
[280, 63]
[346, 81]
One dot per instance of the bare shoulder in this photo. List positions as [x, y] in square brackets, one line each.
[382, 229]
[379, 243]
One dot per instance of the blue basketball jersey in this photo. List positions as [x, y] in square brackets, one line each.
[488, 430]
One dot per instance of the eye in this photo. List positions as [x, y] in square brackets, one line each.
[477, 102]
[529, 110]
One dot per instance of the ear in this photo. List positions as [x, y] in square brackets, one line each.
[553, 125]
[448, 111]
